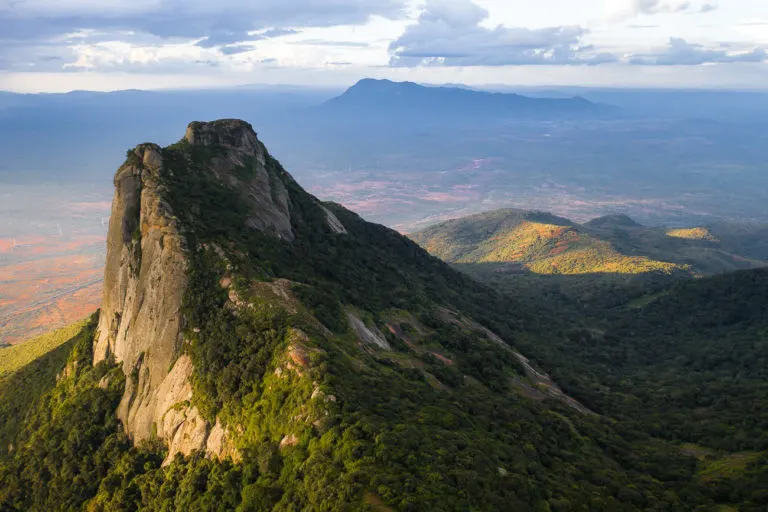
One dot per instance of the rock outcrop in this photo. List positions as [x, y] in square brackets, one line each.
[141, 321]
[266, 197]
[371, 336]
[144, 283]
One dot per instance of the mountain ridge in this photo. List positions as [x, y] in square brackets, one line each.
[408, 98]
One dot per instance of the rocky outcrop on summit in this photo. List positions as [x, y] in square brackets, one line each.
[266, 197]
[145, 280]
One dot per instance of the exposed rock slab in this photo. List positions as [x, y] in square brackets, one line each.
[368, 335]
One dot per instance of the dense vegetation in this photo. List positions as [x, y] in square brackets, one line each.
[326, 422]
[688, 365]
[28, 371]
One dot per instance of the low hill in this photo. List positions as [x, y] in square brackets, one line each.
[604, 262]
[534, 241]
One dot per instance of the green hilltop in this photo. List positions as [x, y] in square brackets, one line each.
[608, 261]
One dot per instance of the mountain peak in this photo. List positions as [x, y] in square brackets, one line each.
[387, 98]
[233, 133]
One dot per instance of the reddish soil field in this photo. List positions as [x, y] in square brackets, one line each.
[48, 282]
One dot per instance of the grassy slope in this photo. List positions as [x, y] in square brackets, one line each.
[15, 357]
[546, 244]
[29, 370]
[539, 242]
[604, 263]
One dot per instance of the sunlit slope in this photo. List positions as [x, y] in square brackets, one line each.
[698, 233]
[29, 370]
[17, 356]
[537, 242]
[520, 241]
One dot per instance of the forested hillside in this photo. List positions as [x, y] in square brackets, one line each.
[326, 363]
[603, 263]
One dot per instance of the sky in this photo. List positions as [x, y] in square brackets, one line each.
[62, 45]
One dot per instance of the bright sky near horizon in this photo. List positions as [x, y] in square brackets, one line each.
[60, 45]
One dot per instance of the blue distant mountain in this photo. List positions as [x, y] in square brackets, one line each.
[387, 98]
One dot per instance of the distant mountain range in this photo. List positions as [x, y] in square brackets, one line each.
[387, 98]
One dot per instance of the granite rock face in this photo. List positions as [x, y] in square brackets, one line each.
[144, 284]
[141, 321]
[266, 196]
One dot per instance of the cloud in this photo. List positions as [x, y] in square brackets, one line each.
[631, 8]
[226, 39]
[187, 19]
[325, 42]
[449, 32]
[134, 57]
[754, 23]
[27, 27]
[680, 52]
[235, 49]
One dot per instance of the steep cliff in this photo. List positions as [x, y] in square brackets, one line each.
[146, 277]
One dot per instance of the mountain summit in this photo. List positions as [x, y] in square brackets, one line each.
[148, 264]
[202, 205]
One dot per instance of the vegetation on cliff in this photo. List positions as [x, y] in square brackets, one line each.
[354, 371]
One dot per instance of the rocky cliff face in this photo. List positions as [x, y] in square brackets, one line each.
[145, 280]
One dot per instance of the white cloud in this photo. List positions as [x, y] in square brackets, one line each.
[450, 32]
[630, 8]
[31, 31]
[119, 54]
[679, 52]
[298, 41]
[184, 18]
